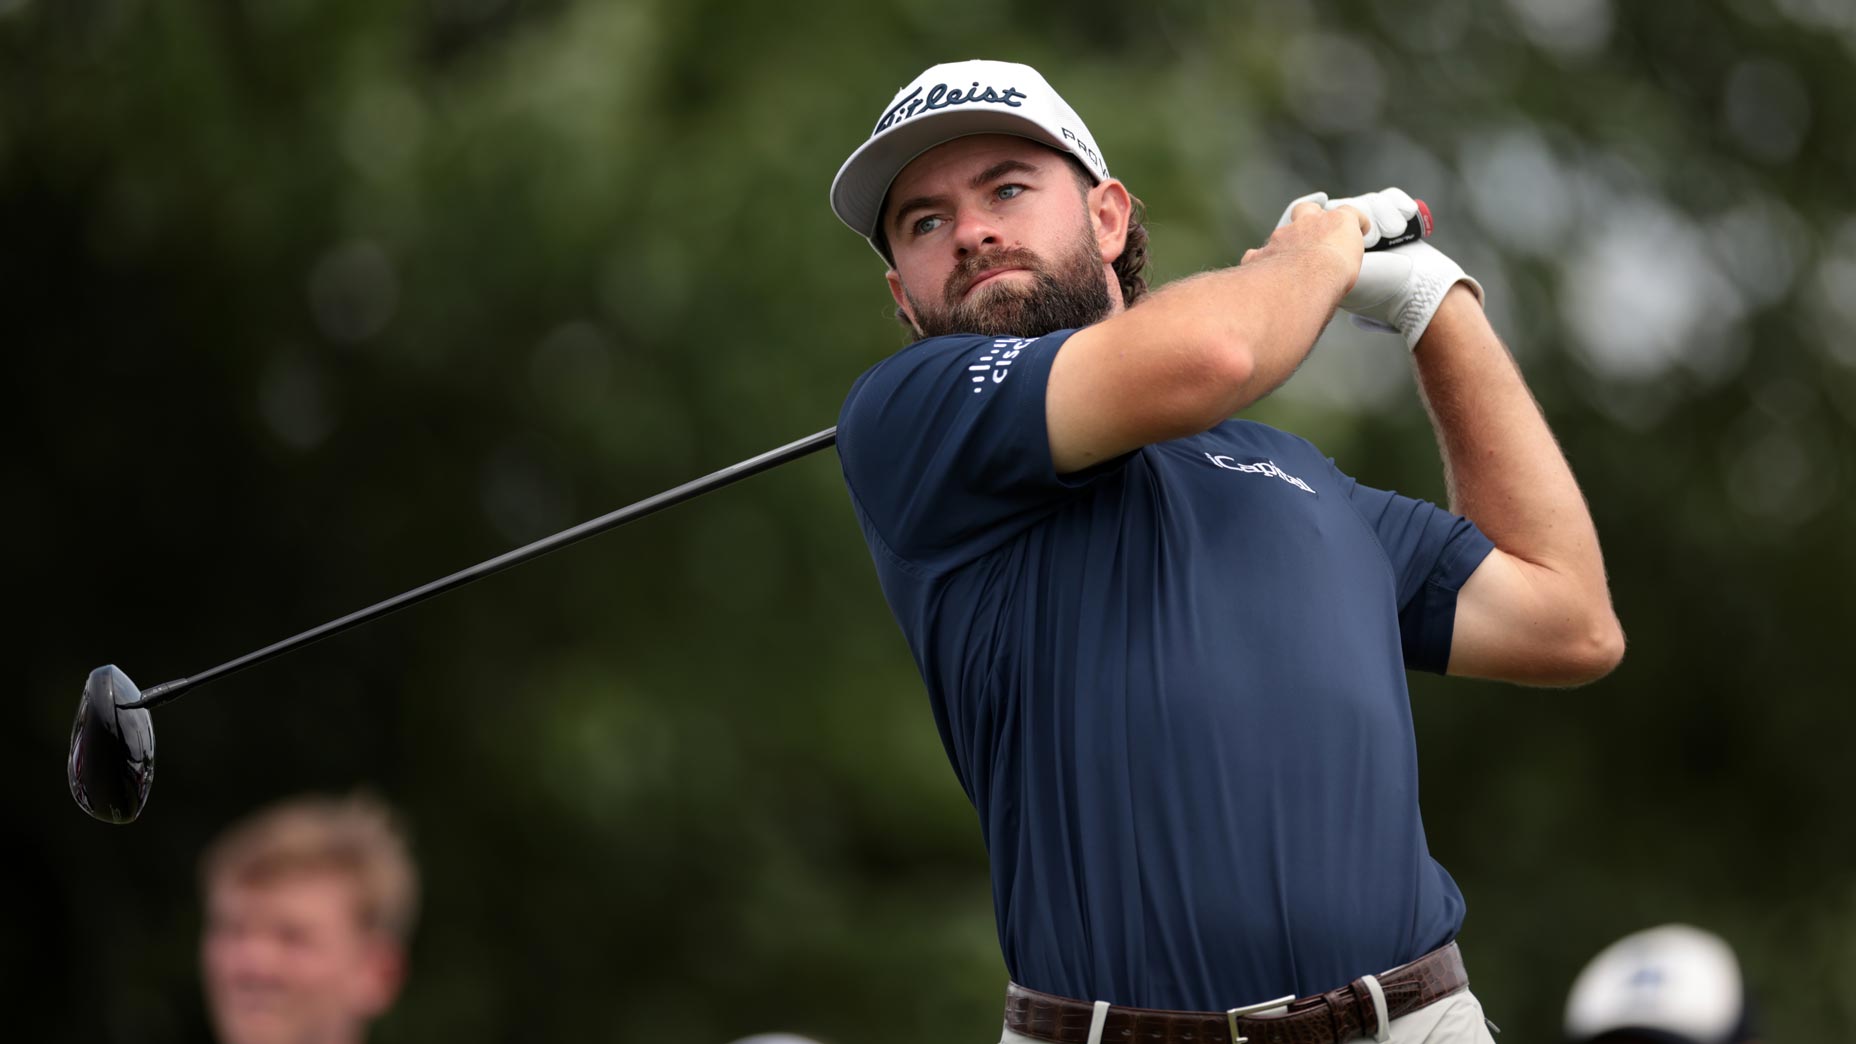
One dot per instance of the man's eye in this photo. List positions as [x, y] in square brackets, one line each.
[1008, 191]
[926, 225]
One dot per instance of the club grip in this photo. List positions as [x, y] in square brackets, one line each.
[1419, 228]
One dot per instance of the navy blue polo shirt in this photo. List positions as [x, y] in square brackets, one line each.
[1172, 686]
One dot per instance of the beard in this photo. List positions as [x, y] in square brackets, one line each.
[1067, 293]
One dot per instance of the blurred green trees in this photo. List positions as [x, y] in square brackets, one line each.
[312, 302]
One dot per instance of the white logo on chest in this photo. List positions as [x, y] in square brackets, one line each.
[1261, 467]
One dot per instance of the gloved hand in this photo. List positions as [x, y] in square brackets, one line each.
[1399, 289]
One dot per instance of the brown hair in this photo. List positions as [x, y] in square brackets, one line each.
[356, 836]
[1130, 266]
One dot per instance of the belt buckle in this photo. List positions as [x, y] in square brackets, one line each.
[1231, 1014]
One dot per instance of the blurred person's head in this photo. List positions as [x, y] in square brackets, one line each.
[309, 904]
[1672, 984]
[988, 198]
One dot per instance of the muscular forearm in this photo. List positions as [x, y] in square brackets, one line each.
[1202, 348]
[1506, 473]
[1271, 309]
[1503, 467]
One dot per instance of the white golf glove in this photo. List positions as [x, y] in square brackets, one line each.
[1399, 289]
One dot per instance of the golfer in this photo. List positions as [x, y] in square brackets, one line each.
[1166, 650]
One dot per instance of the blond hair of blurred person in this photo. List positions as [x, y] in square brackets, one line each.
[309, 905]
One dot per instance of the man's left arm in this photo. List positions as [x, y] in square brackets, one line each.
[1538, 609]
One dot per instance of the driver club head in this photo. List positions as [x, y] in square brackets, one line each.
[112, 759]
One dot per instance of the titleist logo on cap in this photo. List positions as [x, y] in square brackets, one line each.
[940, 97]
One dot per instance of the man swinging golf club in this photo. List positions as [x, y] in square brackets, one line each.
[1165, 650]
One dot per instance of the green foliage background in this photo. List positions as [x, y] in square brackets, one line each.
[310, 302]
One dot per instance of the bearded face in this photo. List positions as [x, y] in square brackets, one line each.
[1063, 292]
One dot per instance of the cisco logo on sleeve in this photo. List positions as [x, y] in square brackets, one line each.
[990, 368]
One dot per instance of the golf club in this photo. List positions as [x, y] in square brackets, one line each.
[112, 758]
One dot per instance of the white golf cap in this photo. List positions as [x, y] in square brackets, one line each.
[952, 101]
[1673, 983]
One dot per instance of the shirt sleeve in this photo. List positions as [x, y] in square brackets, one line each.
[1432, 553]
[946, 450]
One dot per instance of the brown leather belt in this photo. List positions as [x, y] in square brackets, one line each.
[1339, 1015]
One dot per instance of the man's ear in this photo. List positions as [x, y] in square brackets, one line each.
[903, 306]
[1110, 210]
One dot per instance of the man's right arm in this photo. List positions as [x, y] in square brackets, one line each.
[1202, 348]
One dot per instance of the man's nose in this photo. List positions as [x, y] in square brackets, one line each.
[975, 231]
